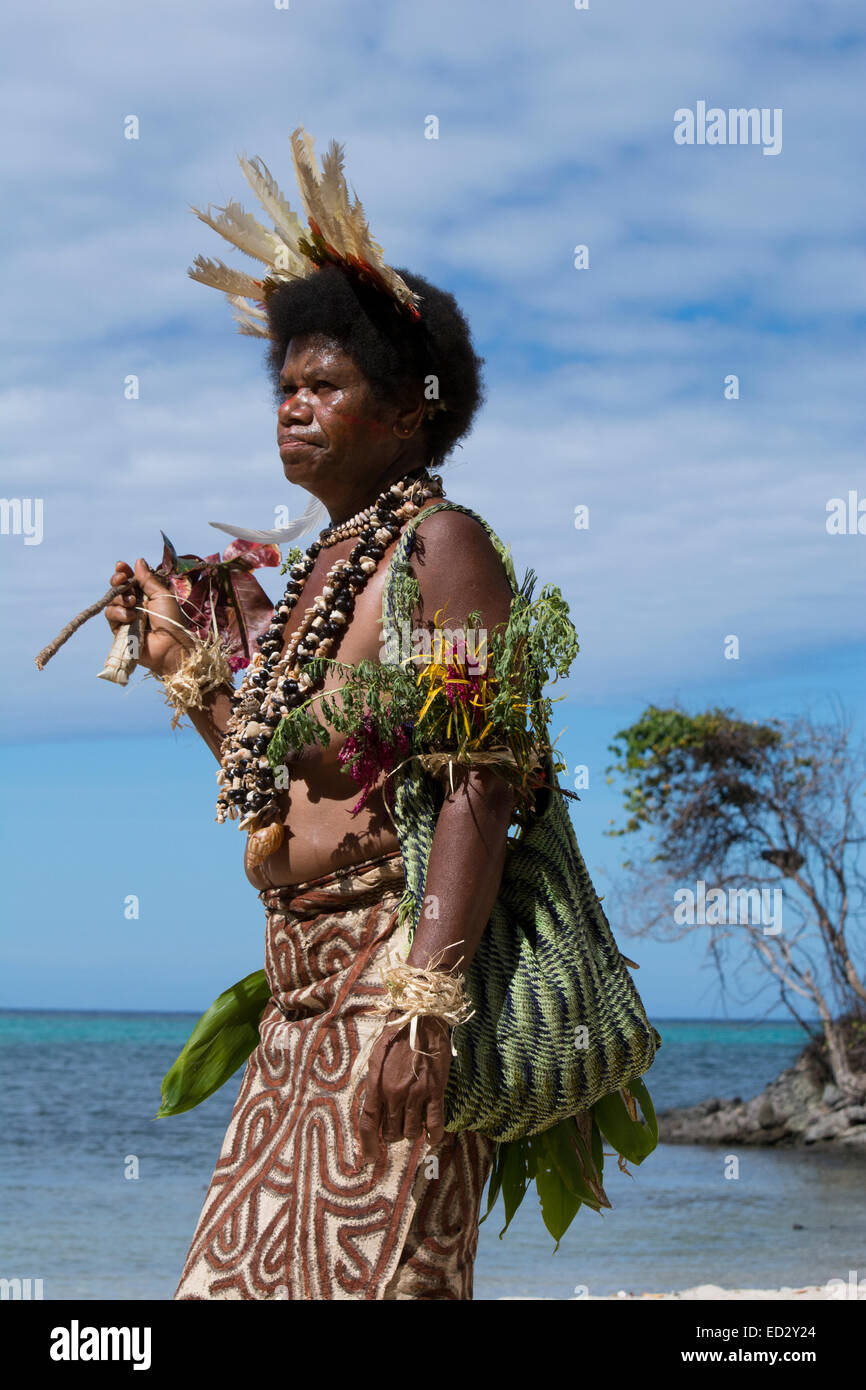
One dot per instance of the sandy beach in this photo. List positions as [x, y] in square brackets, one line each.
[841, 1291]
[713, 1292]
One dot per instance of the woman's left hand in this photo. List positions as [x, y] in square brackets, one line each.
[405, 1094]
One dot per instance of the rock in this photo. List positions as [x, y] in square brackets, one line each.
[826, 1127]
[800, 1107]
[835, 1125]
[766, 1115]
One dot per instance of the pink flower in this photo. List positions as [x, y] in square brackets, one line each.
[464, 690]
[370, 756]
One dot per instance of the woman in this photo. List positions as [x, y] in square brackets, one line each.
[326, 1189]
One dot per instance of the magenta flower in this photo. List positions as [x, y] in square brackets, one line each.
[366, 756]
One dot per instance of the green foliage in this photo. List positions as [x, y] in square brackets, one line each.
[221, 1041]
[389, 694]
[292, 558]
[632, 1139]
[668, 756]
[568, 1171]
[538, 639]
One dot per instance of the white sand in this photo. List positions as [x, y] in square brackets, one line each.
[714, 1291]
[840, 1291]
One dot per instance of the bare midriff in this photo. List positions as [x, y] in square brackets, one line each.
[322, 834]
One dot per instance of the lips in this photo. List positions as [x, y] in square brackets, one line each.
[292, 442]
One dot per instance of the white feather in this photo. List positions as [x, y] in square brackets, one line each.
[314, 518]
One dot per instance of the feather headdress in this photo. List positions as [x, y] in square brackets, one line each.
[337, 234]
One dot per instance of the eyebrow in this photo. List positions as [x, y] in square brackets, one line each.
[317, 372]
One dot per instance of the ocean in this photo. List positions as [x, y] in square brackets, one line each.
[80, 1090]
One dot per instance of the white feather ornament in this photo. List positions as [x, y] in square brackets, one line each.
[314, 518]
[338, 233]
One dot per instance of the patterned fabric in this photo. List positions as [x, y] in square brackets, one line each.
[290, 1213]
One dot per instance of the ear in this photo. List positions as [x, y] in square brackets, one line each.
[409, 418]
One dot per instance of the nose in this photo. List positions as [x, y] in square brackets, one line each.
[295, 407]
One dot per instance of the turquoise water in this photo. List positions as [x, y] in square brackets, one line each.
[80, 1091]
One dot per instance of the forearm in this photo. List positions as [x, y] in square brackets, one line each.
[464, 871]
[211, 721]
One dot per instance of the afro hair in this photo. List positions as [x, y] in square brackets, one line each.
[390, 348]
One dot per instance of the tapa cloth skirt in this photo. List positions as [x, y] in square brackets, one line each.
[290, 1213]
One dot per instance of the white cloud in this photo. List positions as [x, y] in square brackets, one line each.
[605, 385]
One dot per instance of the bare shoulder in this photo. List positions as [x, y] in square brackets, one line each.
[458, 567]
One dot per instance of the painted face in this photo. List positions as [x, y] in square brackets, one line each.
[330, 425]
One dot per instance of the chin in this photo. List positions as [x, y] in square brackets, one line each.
[295, 467]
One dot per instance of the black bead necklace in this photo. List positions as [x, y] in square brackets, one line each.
[275, 684]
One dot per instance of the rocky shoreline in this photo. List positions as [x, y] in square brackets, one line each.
[801, 1108]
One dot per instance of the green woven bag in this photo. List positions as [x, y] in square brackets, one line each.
[558, 1022]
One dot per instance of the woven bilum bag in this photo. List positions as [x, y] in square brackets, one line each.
[558, 1022]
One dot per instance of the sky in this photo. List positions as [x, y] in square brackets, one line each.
[608, 388]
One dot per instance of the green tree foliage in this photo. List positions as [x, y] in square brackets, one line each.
[741, 805]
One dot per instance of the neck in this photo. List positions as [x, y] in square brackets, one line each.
[346, 508]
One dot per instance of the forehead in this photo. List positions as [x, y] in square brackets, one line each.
[312, 352]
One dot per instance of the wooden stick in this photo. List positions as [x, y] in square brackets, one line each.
[78, 621]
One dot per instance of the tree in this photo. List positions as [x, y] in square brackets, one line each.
[721, 803]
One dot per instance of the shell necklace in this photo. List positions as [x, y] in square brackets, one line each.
[276, 684]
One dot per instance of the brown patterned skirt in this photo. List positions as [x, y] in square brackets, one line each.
[290, 1213]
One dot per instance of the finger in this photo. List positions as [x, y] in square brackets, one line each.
[117, 615]
[435, 1120]
[371, 1112]
[368, 1132]
[153, 586]
[120, 610]
[392, 1128]
[413, 1124]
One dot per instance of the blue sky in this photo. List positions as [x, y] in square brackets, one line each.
[605, 388]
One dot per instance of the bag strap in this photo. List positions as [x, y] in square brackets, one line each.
[415, 803]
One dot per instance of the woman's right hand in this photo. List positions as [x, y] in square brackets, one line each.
[161, 644]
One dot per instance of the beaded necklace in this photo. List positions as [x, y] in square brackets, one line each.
[276, 682]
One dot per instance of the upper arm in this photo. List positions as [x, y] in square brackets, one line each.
[459, 571]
